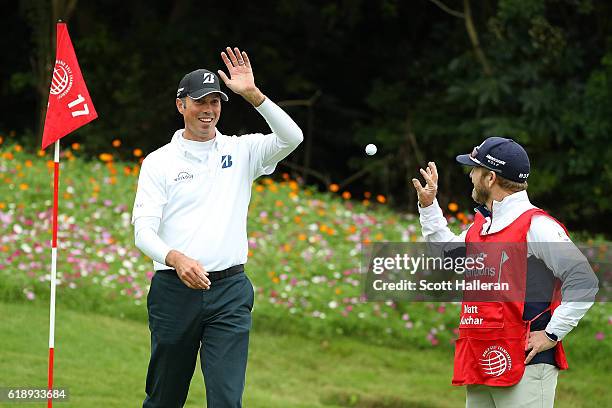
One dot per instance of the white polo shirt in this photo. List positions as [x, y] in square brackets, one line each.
[202, 195]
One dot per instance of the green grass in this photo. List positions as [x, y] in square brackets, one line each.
[102, 361]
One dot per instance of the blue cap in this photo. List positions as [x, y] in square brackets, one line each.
[503, 156]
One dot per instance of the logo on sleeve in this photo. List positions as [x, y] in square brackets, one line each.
[226, 161]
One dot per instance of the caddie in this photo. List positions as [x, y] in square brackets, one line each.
[190, 218]
[509, 352]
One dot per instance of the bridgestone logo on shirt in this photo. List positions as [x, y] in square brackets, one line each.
[182, 176]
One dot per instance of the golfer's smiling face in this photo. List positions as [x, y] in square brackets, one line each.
[201, 116]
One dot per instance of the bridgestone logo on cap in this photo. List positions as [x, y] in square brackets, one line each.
[208, 79]
[495, 161]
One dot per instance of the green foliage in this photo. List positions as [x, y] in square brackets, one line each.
[404, 75]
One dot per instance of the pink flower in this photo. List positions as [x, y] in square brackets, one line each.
[441, 309]
[599, 336]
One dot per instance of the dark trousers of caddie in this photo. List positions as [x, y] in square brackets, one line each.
[183, 321]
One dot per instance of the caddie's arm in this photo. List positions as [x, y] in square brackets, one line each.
[434, 226]
[548, 241]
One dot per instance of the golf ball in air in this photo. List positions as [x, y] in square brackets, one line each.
[371, 149]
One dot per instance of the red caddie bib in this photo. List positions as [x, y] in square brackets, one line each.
[490, 349]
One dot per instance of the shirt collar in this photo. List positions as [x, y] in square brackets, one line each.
[182, 151]
[504, 212]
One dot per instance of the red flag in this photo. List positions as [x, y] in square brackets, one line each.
[70, 106]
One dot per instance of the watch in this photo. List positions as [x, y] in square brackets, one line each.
[551, 336]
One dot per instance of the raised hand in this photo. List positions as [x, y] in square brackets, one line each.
[241, 79]
[427, 193]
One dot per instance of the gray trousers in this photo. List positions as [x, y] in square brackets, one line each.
[535, 390]
[183, 321]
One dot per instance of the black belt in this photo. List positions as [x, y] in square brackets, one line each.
[213, 275]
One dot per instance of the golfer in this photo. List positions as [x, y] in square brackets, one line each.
[509, 352]
[190, 218]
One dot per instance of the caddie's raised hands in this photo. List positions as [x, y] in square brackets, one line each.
[427, 193]
[241, 79]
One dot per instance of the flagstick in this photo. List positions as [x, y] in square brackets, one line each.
[53, 269]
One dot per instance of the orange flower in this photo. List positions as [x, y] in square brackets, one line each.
[323, 228]
[75, 146]
[18, 148]
[23, 186]
[273, 188]
[334, 188]
[293, 195]
[453, 207]
[116, 143]
[381, 198]
[50, 164]
[302, 237]
[365, 202]
[285, 176]
[250, 254]
[127, 170]
[8, 156]
[338, 291]
[28, 163]
[346, 195]
[278, 203]
[1, 139]
[40, 153]
[259, 188]
[297, 219]
[106, 157]
[69, 154]
[2, 206]
[352, 229]
[137, 152]
[367, 194]
[293, 185]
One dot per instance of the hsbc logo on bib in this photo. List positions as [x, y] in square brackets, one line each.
[495, 361]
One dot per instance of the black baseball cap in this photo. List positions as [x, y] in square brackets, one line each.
[503, 156]
[198, 84]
